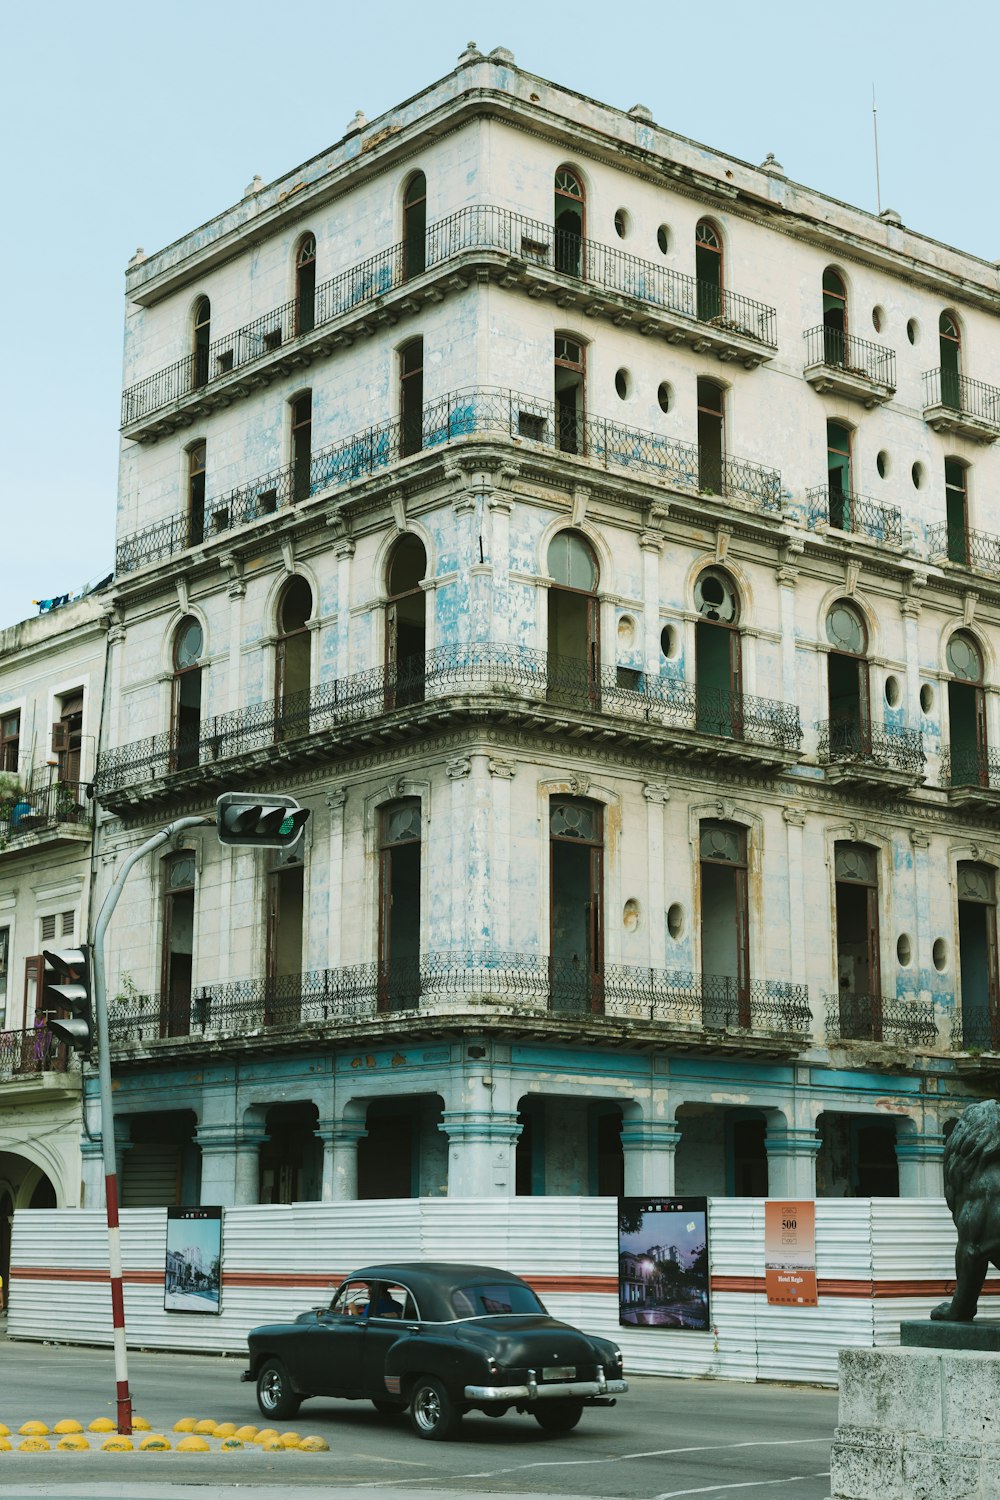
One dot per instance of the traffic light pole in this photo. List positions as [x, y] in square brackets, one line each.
[124, 1398]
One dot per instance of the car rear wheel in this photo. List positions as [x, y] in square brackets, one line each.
[433, 1414]
[388, 1408]
[558, 1416]
[275, 1396]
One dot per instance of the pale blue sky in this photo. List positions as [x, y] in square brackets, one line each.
[128, 124]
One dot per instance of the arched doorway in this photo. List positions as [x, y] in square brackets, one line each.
[405, 623]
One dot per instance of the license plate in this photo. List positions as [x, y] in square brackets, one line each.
[559, 1372]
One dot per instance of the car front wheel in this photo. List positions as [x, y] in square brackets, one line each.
[275, 1396]
[558, 1416]
[433, 1414]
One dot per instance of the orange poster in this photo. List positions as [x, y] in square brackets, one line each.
[790, 1253]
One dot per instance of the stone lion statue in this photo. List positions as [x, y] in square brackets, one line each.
[972, 1192]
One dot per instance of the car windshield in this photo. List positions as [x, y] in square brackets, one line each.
[492, 1299]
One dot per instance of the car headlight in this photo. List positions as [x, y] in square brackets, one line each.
[492, 1367]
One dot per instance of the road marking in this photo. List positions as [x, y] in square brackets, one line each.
[744, 1484]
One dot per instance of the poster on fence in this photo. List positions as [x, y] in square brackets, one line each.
[192, 1280]
[663, 1263]
[790, 1253]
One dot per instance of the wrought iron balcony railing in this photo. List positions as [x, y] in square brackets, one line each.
[970, 768]
[842, 351]
[857, 513]
[977, 1031]
[877, 747]
[475, 412]
[28, 1052]
[880, 1018]
[481, 227]
[957, 544]
[44, 804]
[497, 670]
[441, 983]
[971, 397]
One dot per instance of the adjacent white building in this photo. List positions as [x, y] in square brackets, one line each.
[599, 535]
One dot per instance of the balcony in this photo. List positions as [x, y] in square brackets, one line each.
[838, 364]
[865, 755]
[46, 812]
[971, 776]
[478, 412]
[525, 251]
[512, 993]
[455, 683]
[34, 1067]
[857, 514]
[978, 550]
[880, 1019]
[953, 403]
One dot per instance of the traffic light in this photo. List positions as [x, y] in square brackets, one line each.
[260, 820]
[66, 986]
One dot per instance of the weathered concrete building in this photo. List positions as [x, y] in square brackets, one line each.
[599, 535]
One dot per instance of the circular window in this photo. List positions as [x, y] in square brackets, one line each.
[904, 950]
[675, 919]
[882, 464]
[188, 645]
[917, 475]
[926, 697]
[878, 318]
[623, 384]
[622, 224]
[669, 641]
[716, 598]
[845, 630]
[630, 915]
[963, 657]
[664, 395]
[913, 330]
[663, 239]
[939, 953]
[892, 693]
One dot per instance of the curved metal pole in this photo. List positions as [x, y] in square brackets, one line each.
[123, 1396]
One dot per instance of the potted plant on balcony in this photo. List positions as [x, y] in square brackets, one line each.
[12, 804]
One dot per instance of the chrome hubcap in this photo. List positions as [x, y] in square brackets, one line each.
[427, 1407]
[270, 1391]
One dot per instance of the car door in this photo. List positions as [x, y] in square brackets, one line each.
[333, 1357]
[392, 1312]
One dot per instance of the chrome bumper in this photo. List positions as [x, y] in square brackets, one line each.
[561, 1390]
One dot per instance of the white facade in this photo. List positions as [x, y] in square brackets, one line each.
[631, 640]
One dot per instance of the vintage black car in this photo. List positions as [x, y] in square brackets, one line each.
[435, 1341]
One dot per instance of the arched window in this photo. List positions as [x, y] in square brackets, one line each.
[834, 317]
[202, 339]
[300, 413]
[415, 226]
[977, 955]
[838, 468]
[956, 499]
[411, 397]
[967, 712]
[950, 340]
[718, 655]
[859, 984]
[725, 925]
[305, 284]
[847, 683]
[574, 620]
[196, 456]
[569, 222]
[178, 943]
[405, 623]
[186, 706]
[708, 270]
[570, 370]
[711, 437]
[576, 851]
[399, 905]
[291, 660]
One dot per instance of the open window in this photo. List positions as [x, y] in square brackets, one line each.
[847, 682]
[708, 270]
[10, 740]
[178, 944]
[956, 496]
[977, 953]
[196, 455]
[569, 222]
[301, 445]
[202, 332]
[838, 468]
[859, 983]
[718, 655]
[950, 340]
[283, 960]
[711, 437]
[411, 397]
[185, 730]
[967, 711]
[834, 318]
[570, 370]
[576, 844]
[399, 905]
[405, 623]
[415, 226]
[574, 620]
[305, 284]
[725, 924]
[292, 659]
[67, 736]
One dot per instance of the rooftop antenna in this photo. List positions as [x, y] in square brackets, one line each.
[878, 184]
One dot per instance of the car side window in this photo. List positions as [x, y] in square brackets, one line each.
[394, 1301]
[352, 1301]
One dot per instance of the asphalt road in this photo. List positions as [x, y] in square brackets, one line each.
[666, 1439]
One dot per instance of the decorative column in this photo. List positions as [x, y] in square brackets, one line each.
[650, 1150]
[795, 820]
[651, 544]
[92, 1174]
[791, 1160]
[502, 773]
[922, 926]
[343, 551]
[481, 1152]
[340, 1159]
[909, 608]
[458, 770]
[657, 795]
[787, 576]
[478, 880]
[219, 1149]
[919, 1158]
[336, 801]
[499, 506]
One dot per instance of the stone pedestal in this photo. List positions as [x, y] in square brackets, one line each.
[917, 1424]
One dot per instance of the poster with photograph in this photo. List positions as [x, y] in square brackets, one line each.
[663, 1263]
[192, 1279]
[790, 1253]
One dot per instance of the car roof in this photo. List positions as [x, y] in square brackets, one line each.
[443, 1274]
